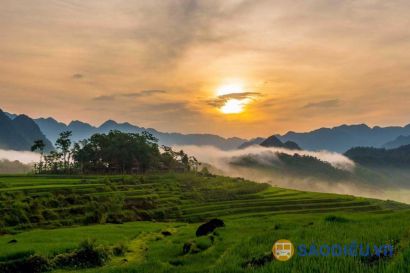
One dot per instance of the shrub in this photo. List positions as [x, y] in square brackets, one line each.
[17, 255]
[88, 255]
[31, 264]
[119, 249]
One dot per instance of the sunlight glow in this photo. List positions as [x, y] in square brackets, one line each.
[234, 106]
[229, 89]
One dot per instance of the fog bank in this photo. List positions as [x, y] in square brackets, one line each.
[23, 157]
[220, 160]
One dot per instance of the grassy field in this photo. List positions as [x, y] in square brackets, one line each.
[152, 217]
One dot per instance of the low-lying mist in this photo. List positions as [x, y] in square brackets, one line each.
[221, 163]
[23, 157]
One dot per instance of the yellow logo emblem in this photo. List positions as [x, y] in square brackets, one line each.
[283, 250]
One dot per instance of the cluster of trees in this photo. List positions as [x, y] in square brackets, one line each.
[115, 152]
[380, 157]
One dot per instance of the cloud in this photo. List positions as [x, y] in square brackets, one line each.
[104, 98]
[178, 26]
[217, 157]
[149, 92]
[24, 157]
[221, 100]
[143, 93]
[294, 52]
[77, 76]
[323, 104]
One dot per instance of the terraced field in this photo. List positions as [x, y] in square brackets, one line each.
[52, 201]
[48, 215]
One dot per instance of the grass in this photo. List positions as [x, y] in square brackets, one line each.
[255, 216]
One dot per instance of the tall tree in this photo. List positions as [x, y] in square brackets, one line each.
[64, 143]
[39, 145]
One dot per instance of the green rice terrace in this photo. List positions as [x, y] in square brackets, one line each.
[148, 223]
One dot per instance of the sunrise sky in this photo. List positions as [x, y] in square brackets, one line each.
[234, 68]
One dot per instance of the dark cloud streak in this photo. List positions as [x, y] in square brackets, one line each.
[221, 100]
[323, 104]
[143, 93]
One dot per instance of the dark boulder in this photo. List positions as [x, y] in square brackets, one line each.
[166, 233]
[209, 227]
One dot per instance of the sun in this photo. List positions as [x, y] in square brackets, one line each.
[232, 97]
[234, 106]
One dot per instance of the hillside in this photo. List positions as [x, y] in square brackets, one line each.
[285, 165]
[173, 197]
[170, 197]
[381, 157]
[173, 206]
[20, 133]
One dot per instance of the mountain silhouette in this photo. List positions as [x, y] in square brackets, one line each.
[254, 141]
[337, 139]
[80, 130]
[344, 137]
[20, 133]
[399, 141]
[273, 141]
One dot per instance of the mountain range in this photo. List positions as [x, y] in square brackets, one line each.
[81, 130]
[337, 139]
[342, 138]
[19, 133]
[399, 141]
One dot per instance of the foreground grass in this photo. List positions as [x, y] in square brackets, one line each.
[255, 217]
[239, 241]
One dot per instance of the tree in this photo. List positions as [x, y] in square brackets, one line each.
[64, 143]
[39, 146]
[115, 152]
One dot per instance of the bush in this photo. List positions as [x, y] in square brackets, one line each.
[120, 249]
[88, 255]
[31, 264]
[17, 256]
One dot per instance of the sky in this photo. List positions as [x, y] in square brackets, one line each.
[234, 67]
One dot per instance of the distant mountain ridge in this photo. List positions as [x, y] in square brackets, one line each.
[20, 133]
[396, 143]
[253, 141]
[341, 138]
[337, 139]
[81, 130]
[273, 141]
